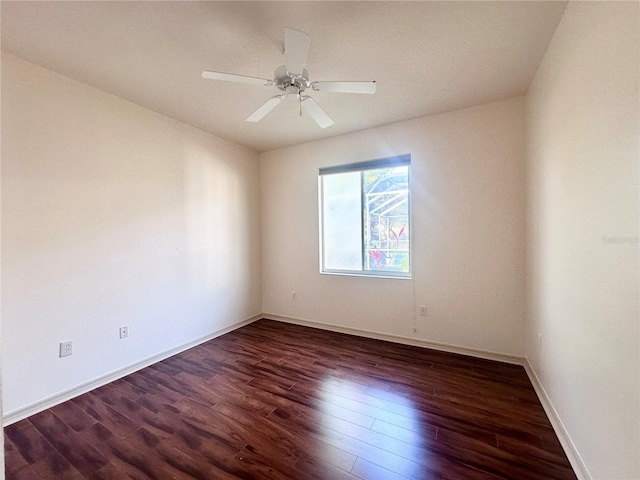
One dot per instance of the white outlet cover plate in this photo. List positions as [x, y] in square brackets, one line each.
[66, 349]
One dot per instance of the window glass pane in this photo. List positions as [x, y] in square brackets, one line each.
[365, 218]
[342, 219]
[386, 219]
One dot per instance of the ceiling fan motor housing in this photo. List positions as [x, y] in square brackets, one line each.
[286, 81]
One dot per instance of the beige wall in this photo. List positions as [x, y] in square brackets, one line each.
[583, 181]
[467, 178]
[114, 215]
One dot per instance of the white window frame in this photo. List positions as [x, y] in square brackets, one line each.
[387, 162]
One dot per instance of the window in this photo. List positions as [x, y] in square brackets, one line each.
[364, 218]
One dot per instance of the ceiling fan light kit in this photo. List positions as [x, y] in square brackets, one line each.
[293, 80]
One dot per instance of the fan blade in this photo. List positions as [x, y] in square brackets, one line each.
[318, 114]
[345, 87]
[230, 77]
[266, 107]
[296, 44]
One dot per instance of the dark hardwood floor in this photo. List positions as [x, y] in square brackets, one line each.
[278, 401]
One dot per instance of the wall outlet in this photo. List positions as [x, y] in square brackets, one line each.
[66, 349]
[423, 311]
[124, 331]
[294, 295]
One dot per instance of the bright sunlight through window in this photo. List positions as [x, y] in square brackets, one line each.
[364, 218]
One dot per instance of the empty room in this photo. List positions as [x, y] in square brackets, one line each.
[320, 240]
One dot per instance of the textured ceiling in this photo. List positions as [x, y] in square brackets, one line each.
[426, 57]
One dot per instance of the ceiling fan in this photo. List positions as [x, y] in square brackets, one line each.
[293, 79]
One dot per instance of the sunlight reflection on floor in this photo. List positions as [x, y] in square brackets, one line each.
[376, 426]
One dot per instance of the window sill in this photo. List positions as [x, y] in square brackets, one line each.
[368, 275]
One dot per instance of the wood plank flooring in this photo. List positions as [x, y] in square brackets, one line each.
[279, 401]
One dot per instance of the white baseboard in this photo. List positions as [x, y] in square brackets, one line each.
[416, 342]
[36, 407]
[569, 447]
